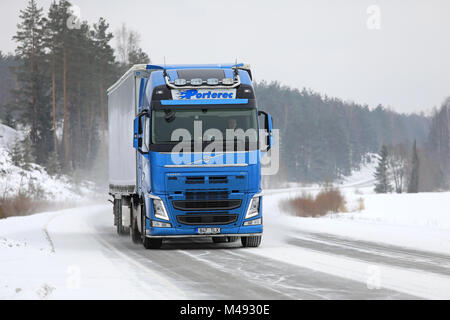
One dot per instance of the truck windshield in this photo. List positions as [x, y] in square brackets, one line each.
[210, 125]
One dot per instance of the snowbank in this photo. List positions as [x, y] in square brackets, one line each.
[365, 175]
[419, 221]
[7, 136]
[14, 179]
[60, 255]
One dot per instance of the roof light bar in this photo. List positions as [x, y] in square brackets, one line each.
[212, 82]
[228, 81]
[196, 82]
[180, 82]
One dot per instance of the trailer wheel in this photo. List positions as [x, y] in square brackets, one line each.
[118, 217]
[152, 243]
[251, 242]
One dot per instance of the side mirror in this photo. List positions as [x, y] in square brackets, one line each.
[267, 121]
[140, 133]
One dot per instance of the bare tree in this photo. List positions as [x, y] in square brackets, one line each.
[398, 163]
[128, 47]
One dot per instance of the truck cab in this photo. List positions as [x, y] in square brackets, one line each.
[198, 139]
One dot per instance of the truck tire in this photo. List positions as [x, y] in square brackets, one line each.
[149, 243]
[219, 239]
[251, 242]
[118, 217]
[233, 239]
[135, 234]
[152, 243]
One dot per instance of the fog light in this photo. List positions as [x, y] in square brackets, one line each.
[158, 224]
[255, 222]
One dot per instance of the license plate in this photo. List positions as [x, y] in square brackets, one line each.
[208, 230]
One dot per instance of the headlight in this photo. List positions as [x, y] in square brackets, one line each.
[158, 224]
[255, 222]
[160, 210]
[253, 209]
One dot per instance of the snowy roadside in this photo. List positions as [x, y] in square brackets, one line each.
[64, 255]
[410, 221]
[417, 221]
[59, 256]
[36, 181]
[29, 188]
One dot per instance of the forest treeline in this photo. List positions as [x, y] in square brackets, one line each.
[324, 139]
[54, 86]
[55, 83]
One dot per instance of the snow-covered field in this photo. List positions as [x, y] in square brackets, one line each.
[390, 225]
[57, 256]
[62, 255]
[419, 221]
[398, 246]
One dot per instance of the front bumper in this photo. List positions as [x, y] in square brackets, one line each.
[204, 236]
[244, 231]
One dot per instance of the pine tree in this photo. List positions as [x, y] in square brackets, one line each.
[105, 62]
[382, 184]
[53, 166]
[138, 56]
[59, 41]
[55, 27]
[9, 120]
[16, 153]
[413, 186]
[33, 91]
[28, 151]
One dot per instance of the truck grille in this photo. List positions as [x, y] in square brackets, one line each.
[189, 205]
[195, 180]
[207, 219]
[212, 195]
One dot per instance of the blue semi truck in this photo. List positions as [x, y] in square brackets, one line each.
[185, 148]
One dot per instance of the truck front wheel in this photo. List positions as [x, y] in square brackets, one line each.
[135, 234]
[251, 242]
[219, 239]
[152, 243]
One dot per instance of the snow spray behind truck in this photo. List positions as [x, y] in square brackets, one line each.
[185, 148]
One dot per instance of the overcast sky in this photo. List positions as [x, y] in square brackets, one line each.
[396, 53]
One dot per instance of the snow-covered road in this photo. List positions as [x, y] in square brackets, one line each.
[75, 254]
